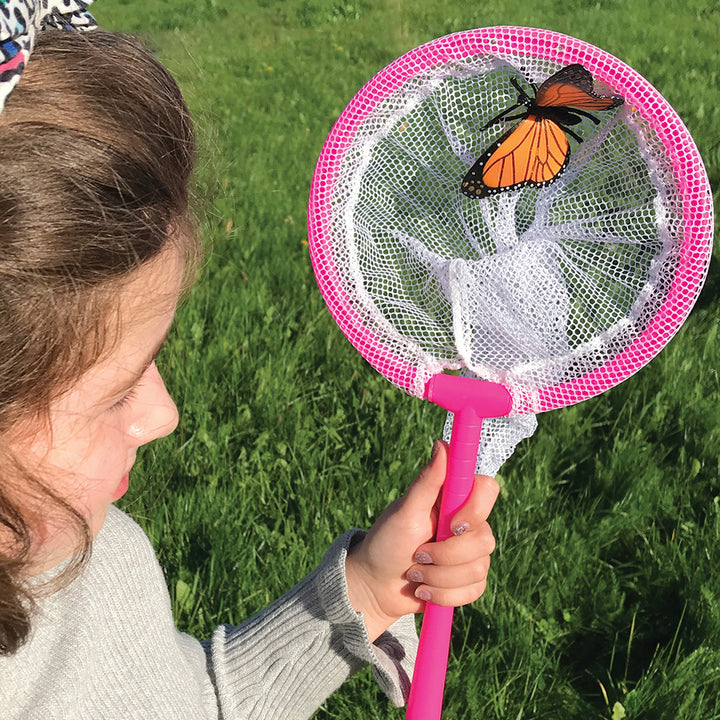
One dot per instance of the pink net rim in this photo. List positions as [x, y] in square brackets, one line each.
[687, 166]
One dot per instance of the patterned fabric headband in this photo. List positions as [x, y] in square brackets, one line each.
[20, 21]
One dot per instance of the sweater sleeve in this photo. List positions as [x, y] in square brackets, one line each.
[285, 661]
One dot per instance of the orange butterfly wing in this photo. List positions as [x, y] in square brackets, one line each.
[573, 87]
[533, 153]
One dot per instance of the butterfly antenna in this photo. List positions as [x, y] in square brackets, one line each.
[523, 97]
[499, 117]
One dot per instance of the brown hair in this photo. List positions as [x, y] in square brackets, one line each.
[96, 153]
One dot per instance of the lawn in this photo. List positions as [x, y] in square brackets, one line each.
[604, 598]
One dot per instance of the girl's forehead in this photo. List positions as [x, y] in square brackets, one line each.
[158, 278]
[147, 303]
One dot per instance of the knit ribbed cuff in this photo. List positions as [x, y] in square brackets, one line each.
[392, 655]
[286, 660]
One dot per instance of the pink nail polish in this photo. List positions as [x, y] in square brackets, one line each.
[435, 448]
[423, 558]
[423, 595]
[460, 529]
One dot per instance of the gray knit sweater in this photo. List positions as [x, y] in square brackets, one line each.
[106, 646]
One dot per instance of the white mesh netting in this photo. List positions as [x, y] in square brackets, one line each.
[535, 288]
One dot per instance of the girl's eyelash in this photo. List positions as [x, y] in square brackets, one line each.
[124, 401]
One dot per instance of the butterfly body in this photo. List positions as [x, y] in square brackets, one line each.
[535, 152]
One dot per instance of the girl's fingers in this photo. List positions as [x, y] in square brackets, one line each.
[453, 572]
[472, 535]
[451, 597]
[456, 550]
[450, 577]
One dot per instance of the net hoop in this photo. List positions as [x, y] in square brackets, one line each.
[688, 169]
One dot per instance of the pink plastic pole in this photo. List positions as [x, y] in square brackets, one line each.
[471, 401]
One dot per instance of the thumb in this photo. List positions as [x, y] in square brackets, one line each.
[427, 485]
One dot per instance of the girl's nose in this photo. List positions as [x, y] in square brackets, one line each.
[157, 414]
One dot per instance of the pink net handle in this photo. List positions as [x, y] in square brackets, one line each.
[638, 93]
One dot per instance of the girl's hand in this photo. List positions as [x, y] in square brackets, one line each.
[398, 567]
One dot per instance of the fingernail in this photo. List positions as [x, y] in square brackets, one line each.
[460, 529]
[423, 558]
[423, 594]
[435, 447]
[415, 576]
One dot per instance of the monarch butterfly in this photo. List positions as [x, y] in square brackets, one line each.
[537, 150]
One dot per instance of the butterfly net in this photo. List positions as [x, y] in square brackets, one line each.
[556, 292]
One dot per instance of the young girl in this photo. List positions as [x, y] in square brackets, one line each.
[96, 247]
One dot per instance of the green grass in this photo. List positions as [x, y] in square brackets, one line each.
[604, 597]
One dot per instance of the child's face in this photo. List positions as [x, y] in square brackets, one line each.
[119, 405]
